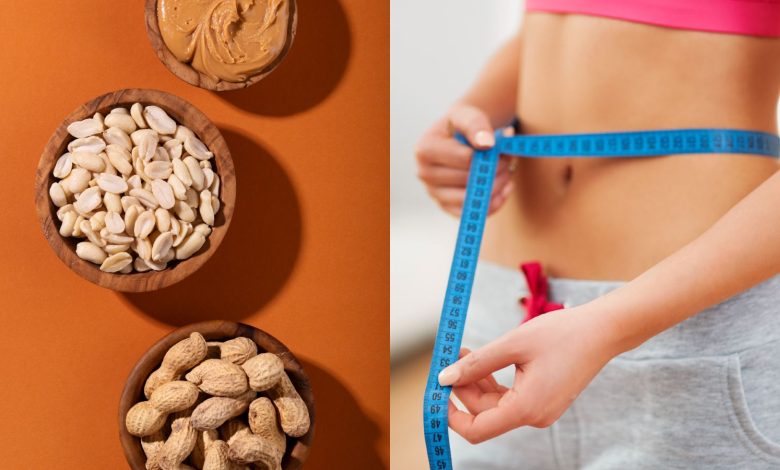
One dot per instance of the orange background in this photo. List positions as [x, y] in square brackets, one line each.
[306, 256]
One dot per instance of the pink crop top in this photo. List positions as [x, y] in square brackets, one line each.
[746, 17]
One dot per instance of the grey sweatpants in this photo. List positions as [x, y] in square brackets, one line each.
[704, 394]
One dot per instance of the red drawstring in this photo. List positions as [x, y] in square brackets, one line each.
[536, 303]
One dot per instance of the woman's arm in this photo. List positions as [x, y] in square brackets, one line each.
[494, 91]
[557, 354]
[443, 163]
[739, 251]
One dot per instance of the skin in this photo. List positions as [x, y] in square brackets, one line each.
[686, 231]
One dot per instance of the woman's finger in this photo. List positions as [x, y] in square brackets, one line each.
[503, 165]
[446, 152]
[452, 199]
[499, 186]
[455, 171]
[455, 210]
[499, 198]
[490, 423]
[448, 196]
[456, 196]
[475, 400]
[474, 125]
[481, 362]
[489, 385]
[443, 176]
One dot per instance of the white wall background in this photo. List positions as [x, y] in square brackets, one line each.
[436, 49]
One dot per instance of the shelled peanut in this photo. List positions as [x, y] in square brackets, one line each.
[217, 406]
[138, 188]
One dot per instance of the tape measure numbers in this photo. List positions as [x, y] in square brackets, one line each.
[472, 224]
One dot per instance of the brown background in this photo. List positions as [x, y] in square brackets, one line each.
[306, 257]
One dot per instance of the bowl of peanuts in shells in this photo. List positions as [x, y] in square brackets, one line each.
[135, 190]
[217, 395]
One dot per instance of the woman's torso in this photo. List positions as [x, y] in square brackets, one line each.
[612, 219]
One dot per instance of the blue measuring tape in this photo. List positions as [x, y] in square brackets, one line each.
[472, 224]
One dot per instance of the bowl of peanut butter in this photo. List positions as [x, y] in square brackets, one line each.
[221, 44]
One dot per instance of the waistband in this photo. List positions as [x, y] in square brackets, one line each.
[746, 320]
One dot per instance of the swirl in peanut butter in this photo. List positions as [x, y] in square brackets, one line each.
[228, 40]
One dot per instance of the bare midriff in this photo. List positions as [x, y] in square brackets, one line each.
[228, 40]
[613, 219]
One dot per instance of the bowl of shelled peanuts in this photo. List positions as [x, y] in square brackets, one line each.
[135, 190]
[217, 395]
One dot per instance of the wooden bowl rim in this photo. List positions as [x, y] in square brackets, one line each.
[214, 330]
[188, 74]
[65, 247]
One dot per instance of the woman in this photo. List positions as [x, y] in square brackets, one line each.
[668, 353]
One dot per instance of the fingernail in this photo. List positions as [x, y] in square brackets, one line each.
[484, 139]
[507, 189]
[448, 376]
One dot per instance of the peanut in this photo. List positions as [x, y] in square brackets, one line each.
[164, 194]
[238, 350]
[264, 423]
[204, 440]
[196, 173]
[255, 449]
[151, 445]
[63, 166]
[137, 113]
[111, 183]
[163, 219]
[146, 141]
[118, 137]
[213, 412]
[90, 252]
[163, 245]
[85, 128]
[217, 456]
[219, 378]
[233, 429]
[190, 245]
[179, 444]
[197, 148]
[203, 229]
[264, 371]
[148, 417]
[206, 209]
[92, 144]
[114, 263]
[174, 148]
[89, 161]
[159, 120]
[121, 121]
[182, 356]
[158, 169]
[293, 413]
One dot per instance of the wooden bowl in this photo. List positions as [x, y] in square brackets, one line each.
[185, 71]
[297, 449]
[184, 113]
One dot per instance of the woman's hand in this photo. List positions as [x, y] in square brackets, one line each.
[443, 162]
[555, 356]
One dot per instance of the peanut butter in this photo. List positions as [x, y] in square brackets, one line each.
[228, 40]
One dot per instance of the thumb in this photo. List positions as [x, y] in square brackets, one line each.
[480, 363]
[474, 125]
